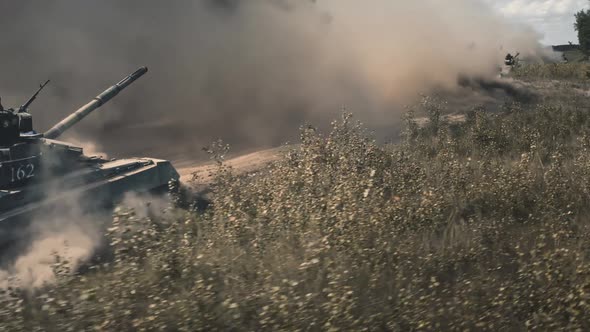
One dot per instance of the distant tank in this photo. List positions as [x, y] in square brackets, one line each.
[38, 172]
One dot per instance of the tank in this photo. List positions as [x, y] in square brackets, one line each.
[39, 173]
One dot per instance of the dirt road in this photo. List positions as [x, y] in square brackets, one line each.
[241, 165]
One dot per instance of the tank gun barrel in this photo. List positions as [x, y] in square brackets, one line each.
[97, 102]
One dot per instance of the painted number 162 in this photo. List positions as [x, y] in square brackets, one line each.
[22, 172]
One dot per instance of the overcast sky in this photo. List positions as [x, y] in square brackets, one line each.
[552, 18]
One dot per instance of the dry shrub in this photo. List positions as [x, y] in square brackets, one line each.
[577, 71]
[481, 225]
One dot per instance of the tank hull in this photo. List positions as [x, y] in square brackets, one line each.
[92, 188]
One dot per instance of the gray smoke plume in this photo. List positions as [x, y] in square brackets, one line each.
[249, 72]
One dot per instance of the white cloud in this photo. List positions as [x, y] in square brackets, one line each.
[542, 8]
[552, 18]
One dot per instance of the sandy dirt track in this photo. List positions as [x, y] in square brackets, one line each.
[244, 164]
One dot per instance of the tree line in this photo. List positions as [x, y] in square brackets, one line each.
[582, 26]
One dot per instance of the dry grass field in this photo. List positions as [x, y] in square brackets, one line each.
[479, 224]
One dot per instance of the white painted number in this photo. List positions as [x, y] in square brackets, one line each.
[22, 172]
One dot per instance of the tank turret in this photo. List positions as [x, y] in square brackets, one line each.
[17, 123]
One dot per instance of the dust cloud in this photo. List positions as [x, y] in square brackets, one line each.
[249, 72]
[72, 234]
[68, 235]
